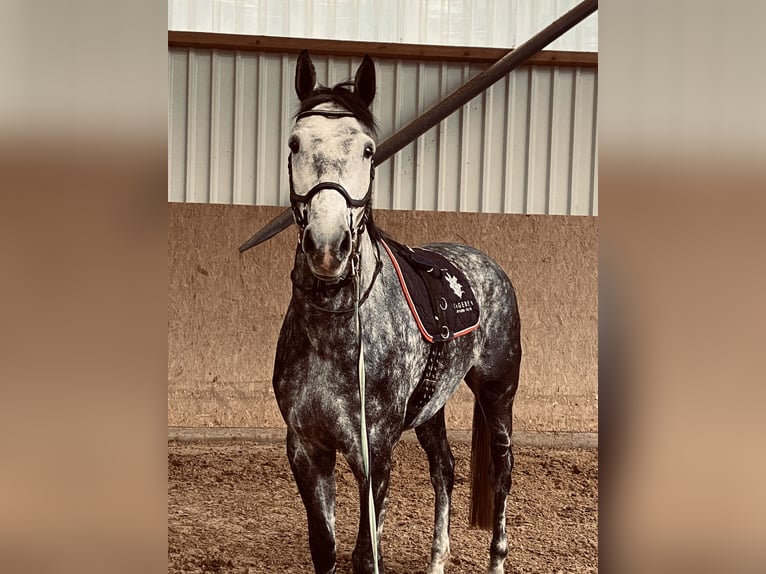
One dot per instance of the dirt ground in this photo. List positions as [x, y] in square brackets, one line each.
[233, 508]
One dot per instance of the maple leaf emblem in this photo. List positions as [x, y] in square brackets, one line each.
[454, 284]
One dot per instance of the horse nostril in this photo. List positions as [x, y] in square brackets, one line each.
[345, 246]
[308, 242]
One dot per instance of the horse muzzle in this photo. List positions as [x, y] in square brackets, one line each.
[327, 255]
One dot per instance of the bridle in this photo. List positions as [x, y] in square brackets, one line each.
[296, 200]
[299, 204]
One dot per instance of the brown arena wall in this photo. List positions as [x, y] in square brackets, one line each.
[225, 311]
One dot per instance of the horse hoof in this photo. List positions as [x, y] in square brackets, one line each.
[437, 566]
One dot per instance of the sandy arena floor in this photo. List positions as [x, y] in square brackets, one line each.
[233, 508]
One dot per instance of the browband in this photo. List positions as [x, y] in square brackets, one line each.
[326, 113]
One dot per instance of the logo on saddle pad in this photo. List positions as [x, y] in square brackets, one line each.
[454, 284]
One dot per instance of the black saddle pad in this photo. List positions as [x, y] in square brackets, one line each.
[437, 292]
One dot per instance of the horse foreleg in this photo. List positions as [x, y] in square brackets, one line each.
[432, 436]
[313, 470]
[362, 558]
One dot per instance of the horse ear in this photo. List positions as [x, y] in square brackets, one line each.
[364, 82]
[305, 76]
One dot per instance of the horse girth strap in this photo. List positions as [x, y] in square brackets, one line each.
[426, 387]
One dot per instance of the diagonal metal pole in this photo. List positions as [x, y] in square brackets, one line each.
[452, 102]
[482, 81]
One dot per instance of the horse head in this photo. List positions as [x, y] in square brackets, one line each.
[331, 168]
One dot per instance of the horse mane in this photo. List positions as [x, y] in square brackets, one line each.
[376, 232]
[343, 95]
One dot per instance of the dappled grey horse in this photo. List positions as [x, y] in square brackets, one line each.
[350, 301]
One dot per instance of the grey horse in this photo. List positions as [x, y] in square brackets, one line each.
[343, 273]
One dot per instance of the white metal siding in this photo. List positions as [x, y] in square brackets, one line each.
[526, 145]
[492, 23]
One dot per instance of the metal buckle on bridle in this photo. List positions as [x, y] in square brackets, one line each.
[354, 262]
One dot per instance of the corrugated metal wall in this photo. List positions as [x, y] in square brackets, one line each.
[527, 145]
[492, 23]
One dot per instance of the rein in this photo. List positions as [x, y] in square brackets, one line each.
[364, 434]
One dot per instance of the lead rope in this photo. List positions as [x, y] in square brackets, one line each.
[363, 418]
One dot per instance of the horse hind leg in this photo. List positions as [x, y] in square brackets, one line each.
[432, 436]
[492, 458]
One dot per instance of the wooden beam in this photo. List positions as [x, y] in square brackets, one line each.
[241, 42]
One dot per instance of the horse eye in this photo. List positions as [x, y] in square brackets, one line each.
[293, 145]
[368, 151]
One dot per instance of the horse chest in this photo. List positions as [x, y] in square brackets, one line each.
[318, 391]
[318, 398]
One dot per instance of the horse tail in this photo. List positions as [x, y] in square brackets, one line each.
[482, 488]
